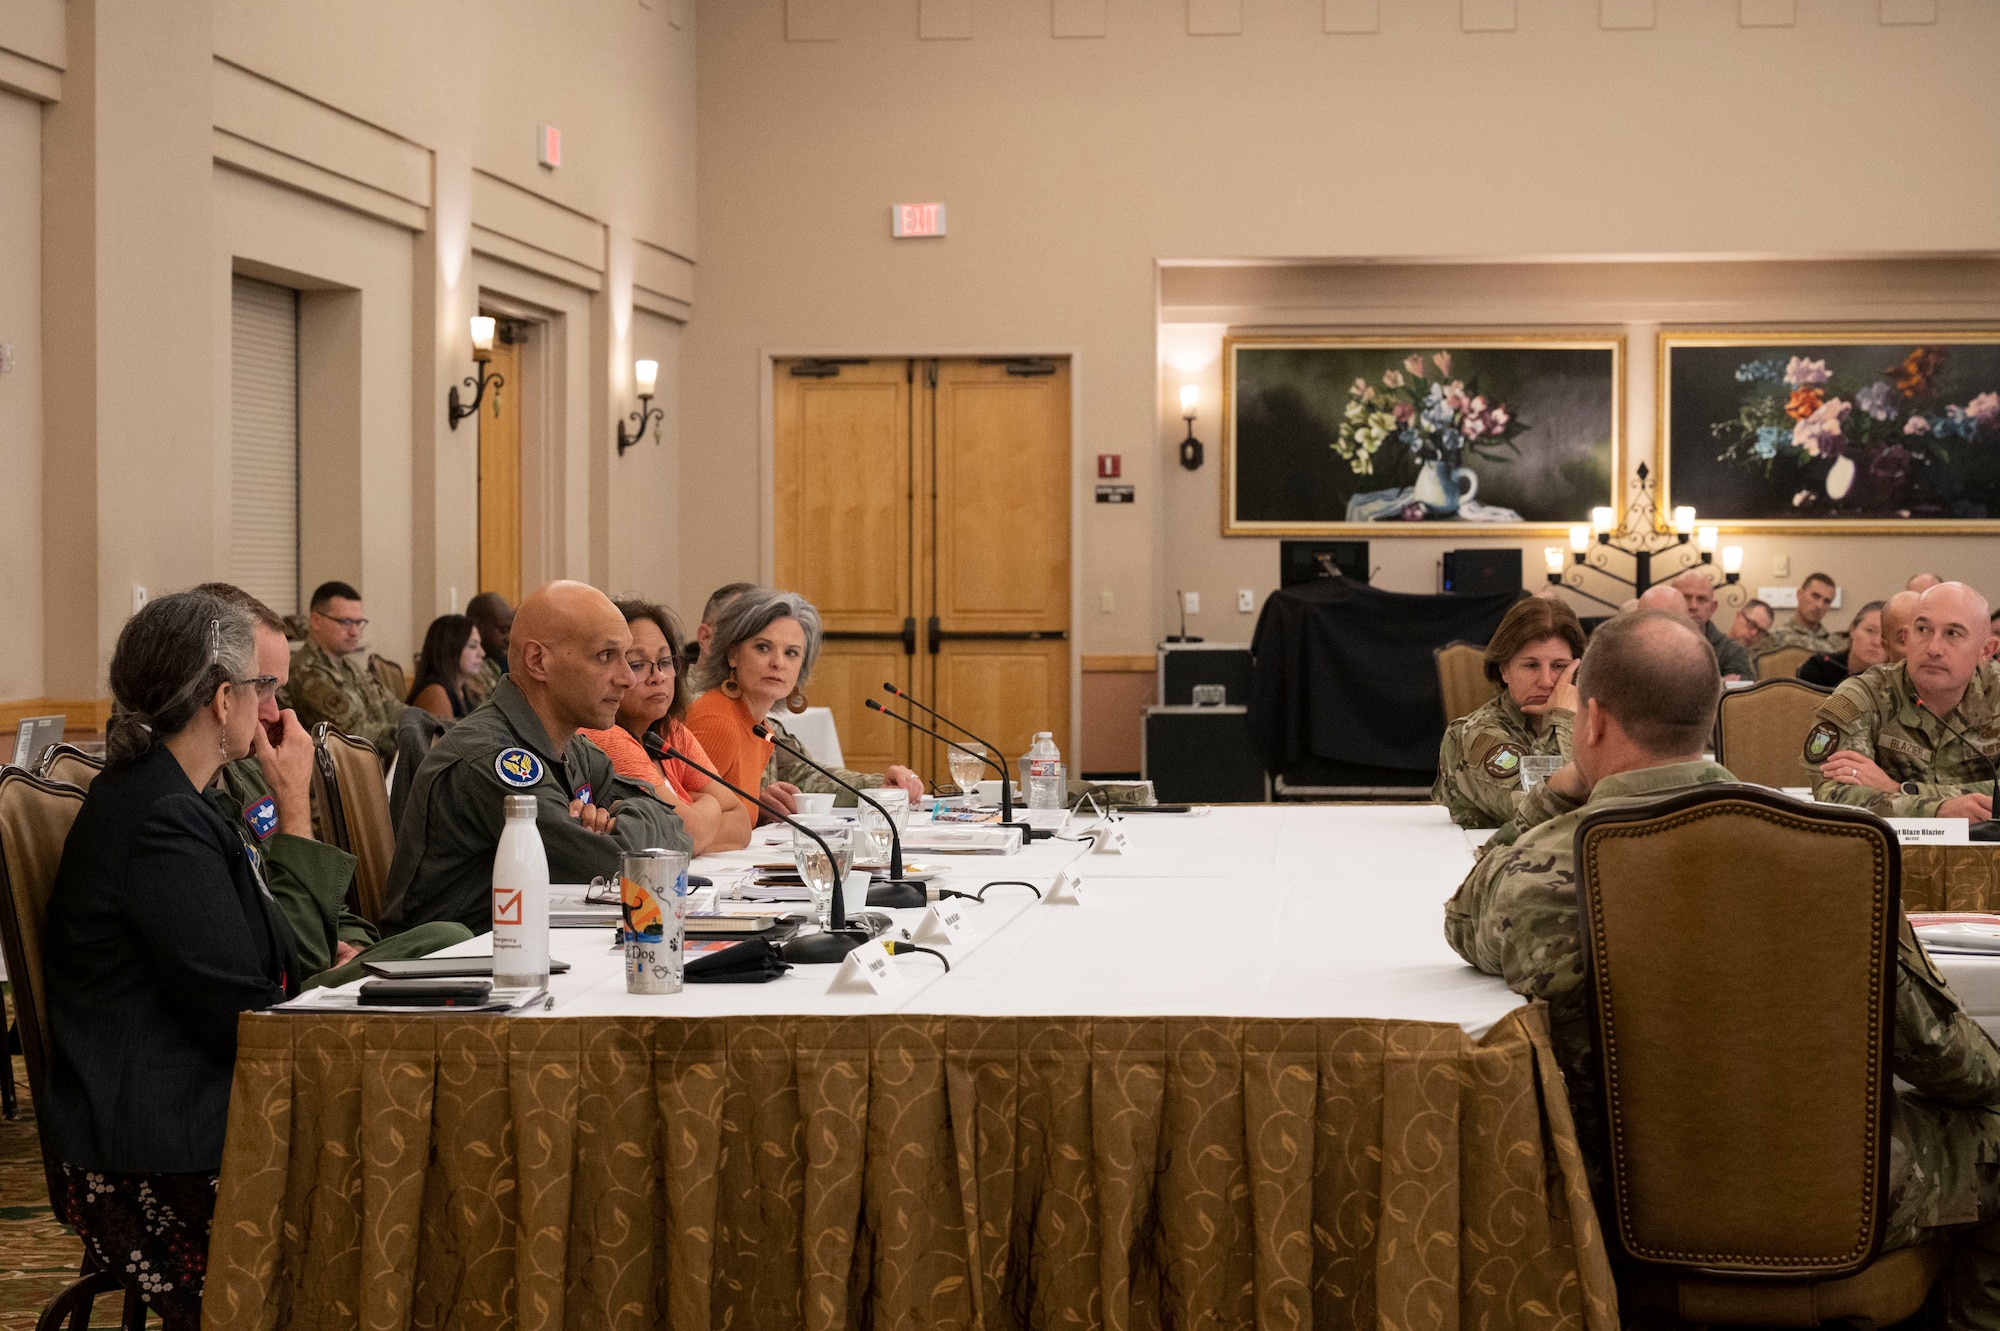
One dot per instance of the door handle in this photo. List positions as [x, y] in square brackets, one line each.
[907, 635]
[940, 635]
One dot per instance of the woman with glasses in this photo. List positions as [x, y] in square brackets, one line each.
[160, 933]
[656, 704]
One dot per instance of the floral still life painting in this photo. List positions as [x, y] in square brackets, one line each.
[1853, 428]
[1328, 434]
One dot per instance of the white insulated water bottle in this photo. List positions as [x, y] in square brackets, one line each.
[521, 900]
[1047, 782]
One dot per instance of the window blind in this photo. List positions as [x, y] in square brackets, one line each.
[264, 443]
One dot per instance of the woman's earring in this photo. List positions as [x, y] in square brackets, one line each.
[797, 700]
[730, 688]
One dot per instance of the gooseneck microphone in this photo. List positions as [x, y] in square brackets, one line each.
[1988, 829]
[896, 893]
[1006, 780]
[828, 945]
[1006, 783]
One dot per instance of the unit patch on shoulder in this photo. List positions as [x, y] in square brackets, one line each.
[1504, 762]
[518, 768]
[582, 792]
[262, 817]
[1821, 742]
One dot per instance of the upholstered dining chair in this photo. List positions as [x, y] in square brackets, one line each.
[1744, 1042]
[35, 818]
[1462, 679]
[348, 777]
[1782, 663]
[68, 763]
[1760, 731]
[391, 676]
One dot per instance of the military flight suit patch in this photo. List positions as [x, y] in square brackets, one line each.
[582, 792]
[1821, 742]
[1504, 762]
[518, 768]
[262, 817]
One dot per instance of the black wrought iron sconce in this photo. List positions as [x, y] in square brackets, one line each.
[483, 328]
[1640, 537]
[1190, 446]
[646, 374]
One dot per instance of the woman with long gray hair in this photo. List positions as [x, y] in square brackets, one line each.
[160, 934]
[761, 654]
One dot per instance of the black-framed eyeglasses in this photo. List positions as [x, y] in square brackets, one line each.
[344, 623]
[266, 686]
[663, 667]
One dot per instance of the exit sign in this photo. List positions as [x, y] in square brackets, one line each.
[916, 219]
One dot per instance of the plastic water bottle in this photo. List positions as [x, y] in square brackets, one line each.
[1047, 781]
[521, 900]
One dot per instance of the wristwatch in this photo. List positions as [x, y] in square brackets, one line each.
[1910, 788]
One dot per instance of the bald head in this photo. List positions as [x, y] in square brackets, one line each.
[1665, 598]
[1950, 637]
[1922, 583]
[1897, 612]
[1699, 593]
[1655, 675]
[567, 654]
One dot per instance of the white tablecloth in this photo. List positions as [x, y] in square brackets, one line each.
[1275, 911]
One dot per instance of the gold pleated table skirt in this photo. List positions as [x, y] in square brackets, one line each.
[901, 1172]
[1952, 877]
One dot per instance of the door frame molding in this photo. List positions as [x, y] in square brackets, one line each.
[767, 474]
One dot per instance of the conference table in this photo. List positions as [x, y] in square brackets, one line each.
[1241, 1081]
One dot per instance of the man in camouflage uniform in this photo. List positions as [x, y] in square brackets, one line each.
[267, 798]
[1699, 594]
[1752, 628]
[1917, 738]
[1807, 627]
[331, 680]
[1648, 692]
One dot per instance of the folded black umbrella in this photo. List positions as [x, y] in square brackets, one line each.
[754, 961]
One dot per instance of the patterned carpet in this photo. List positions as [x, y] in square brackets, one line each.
[37, 1255]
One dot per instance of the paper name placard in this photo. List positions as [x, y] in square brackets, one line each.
[1111, 840]
[1067, 890]
[869, 969]
[945, 923]
[1931, 831]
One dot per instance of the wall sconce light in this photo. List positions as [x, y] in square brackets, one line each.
[1684, 520]
[1552, 558]
[1190, 446]
[483, 327]
[1602, 520]
[1705, 542]
[1732, 563]
[646, 374]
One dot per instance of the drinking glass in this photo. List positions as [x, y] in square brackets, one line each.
[1539, 767]
[967, 768]
[895, 801]
[821, 877]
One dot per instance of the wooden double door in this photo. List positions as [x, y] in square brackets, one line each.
[923, 506]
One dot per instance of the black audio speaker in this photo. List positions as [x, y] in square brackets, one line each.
[1482, 572]
[1201, 755]
[1299, 561]
[1186, 666]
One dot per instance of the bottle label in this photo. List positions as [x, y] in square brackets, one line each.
[1043, 767]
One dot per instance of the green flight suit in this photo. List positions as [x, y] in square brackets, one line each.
[344, 692]
[1479, 764]
[309, 881]
[784, 767]
[1731, 658]
[1515, 916]
[1875, 713]
[451, 826]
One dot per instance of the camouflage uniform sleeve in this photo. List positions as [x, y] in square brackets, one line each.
[1848, 720]
[1940, 1049]
[1536, 950]
[802, 775]
[1531, 810]
[1479, 774]
[318, 696]
[381, 713]
[1556, 739]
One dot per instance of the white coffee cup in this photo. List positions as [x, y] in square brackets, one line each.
[818, 805]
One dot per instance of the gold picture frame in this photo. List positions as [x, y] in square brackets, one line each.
[1439, 521]
[1762, 374]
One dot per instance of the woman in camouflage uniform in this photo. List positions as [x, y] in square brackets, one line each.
[1479, 766]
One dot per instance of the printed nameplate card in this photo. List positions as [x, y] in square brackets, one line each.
[1067, 890]
[1111, 840]
[869, 969]
[1931, 831]
[945, 923]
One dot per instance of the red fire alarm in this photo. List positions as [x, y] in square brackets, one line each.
[548, 145]
[1110, 465]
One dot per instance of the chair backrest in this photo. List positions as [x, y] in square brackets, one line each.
[391, 676]
[357, 801]
[1783, 663]
[66, 762]
[1761, 731]
[35, 818]
[1462, 679]
[415, 734]
[1740, 950]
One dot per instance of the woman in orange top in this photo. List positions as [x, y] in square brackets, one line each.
[715, 819]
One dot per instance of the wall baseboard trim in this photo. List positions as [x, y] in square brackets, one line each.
[1120, 665]
[82, 713]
